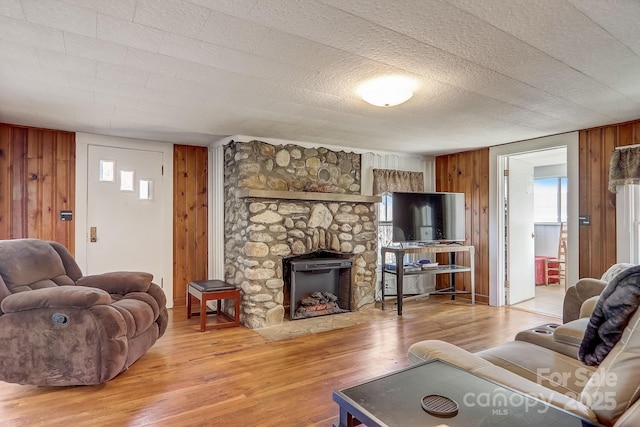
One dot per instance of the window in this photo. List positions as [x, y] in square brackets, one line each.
[385, 228]
[628, 223]
[107, 170]
[126, 180]
[412, 284]
[550, 200]
[145, 187]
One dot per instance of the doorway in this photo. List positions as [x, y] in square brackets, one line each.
[535, 234]
[496, 207]
[124, 189]
[123, 210]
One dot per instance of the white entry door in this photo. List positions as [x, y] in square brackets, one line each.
[520, 232]
[124, 211]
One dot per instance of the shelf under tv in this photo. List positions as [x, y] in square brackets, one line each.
[451, 269]
[440, 269]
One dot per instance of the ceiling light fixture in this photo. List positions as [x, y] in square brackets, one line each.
[387, 91]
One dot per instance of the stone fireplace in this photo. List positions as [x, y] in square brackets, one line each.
[326, 273]
[287, 201]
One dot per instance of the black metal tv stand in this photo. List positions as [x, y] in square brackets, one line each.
[451, 268]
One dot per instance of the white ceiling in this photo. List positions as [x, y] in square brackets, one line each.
[192, 72]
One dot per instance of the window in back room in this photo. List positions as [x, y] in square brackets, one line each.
[550, 200]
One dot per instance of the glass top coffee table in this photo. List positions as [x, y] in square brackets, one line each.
[396, 400]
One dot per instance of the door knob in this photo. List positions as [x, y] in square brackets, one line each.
[533, 235]
[93, 234]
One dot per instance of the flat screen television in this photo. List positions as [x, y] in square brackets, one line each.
[428, 217]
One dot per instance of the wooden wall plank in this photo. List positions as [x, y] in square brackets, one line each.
[39, 184]
[584, 201]
[481, 196]
[468, 173]
[6, 181]
[202, 210]
[595, 172]
[597, 248]
[64, 192]
[34, 195]
[191, 218]
[179, 225]
[609, 246]
[46, 181]
[189, 174]
[19, 207]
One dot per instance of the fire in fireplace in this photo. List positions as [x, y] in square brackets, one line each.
[319, 286]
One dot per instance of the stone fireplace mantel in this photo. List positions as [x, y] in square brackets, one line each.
[305, 195]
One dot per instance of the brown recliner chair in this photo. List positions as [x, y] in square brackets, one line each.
[60, 328]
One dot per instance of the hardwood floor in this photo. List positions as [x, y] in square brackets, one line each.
[548, 300]
[235, 377]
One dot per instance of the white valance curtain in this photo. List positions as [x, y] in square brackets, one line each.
[624, 180]
[390, 180]
[624, 167]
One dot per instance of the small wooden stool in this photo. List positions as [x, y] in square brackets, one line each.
[207, 290]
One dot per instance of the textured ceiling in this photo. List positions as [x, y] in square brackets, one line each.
[192, 72]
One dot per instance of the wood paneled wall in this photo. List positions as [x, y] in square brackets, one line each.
[37, 181]
[190, 226]
[598, 241]
[468, 173]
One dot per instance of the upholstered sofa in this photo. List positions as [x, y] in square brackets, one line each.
[60, 328]
[545, 361]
